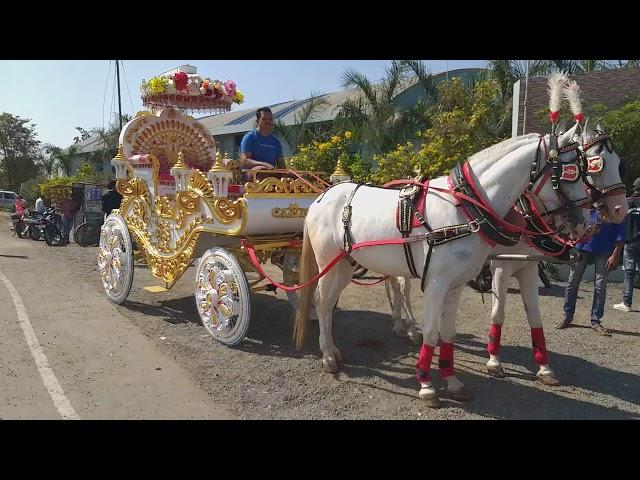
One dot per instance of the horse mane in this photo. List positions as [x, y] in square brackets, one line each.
[501, 149]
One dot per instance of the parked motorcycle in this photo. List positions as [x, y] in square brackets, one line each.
[53, 230]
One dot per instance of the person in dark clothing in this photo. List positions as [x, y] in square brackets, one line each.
[631, 255]
[111, 200]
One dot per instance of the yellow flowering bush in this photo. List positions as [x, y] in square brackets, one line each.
[323, 157]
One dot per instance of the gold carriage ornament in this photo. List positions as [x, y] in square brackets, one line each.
[182, 202]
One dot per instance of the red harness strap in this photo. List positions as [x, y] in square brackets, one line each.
[256, 263]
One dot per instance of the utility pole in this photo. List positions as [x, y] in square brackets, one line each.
[526, 91]
[119, 104]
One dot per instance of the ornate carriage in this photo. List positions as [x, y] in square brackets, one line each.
[183, 203]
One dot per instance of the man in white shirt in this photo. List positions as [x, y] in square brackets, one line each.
[40, 205]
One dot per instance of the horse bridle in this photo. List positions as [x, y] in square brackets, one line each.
[561, 172]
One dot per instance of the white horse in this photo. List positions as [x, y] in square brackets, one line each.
[501, 179]
[526, 273]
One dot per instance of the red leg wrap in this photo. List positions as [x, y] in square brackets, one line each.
[423, 366]
[539, 346]
[494, 339]
[446, 359]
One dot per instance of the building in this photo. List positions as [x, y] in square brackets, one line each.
[612, 88]
[229, 128]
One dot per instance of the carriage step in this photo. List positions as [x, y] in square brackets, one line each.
[156, 288]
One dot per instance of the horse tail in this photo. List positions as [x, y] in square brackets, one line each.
[308, 270]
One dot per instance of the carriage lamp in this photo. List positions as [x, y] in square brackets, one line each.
[220, 177]
[181, 172]
[120, 163]
[339, 174]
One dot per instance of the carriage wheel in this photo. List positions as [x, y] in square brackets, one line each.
[222, 296]
[115, 259]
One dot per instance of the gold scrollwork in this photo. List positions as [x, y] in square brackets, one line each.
[186, 205]
[164, 207]
[163, 237]
[293, 211]
[279, 185]
[226, 211]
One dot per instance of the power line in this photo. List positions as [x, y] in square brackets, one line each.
[127, 85]
[104, 97]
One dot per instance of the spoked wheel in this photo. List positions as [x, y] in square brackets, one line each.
[115, 259]
[222, 296]
[87, 235]
[34, 233]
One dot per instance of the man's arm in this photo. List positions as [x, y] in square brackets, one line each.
[614, 259]
[280, 162]
[248, 162]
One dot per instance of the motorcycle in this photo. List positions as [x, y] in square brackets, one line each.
[52, 228]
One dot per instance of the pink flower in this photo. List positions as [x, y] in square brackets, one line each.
[230, 87]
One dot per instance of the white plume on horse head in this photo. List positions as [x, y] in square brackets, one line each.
[556, 83]
[572, 93]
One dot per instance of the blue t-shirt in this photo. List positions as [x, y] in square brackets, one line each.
[602, 242]
[263, 149]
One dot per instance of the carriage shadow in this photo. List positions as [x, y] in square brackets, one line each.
[174, 311]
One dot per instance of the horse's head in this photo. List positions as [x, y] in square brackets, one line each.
[558, 189]
[603, 167]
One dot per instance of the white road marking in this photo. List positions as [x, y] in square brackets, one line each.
[61, 402]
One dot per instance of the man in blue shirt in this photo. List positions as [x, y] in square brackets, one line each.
[260, 149]
[604, 250]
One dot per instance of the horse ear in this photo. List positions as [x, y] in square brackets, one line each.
[599, 127]
[562, 127]
[567, 137]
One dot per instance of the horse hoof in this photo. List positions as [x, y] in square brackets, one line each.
[399, 333]
[461, 395]
[549, 380]
[329, 365]
[414, 337]
[497, 371]
[429, 397]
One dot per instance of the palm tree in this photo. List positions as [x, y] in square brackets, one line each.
[64, 157]
[46, 160]
[303, 131]
[107, 145]
[373, 117]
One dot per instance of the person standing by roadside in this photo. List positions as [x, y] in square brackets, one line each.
[631, 255]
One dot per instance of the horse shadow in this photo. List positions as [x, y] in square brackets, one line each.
[553, 291]
[572, 371]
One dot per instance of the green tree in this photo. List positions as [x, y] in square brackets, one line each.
[64, 157]
[18, 150]
[304, 130]
[107, 145]
[623, 125]
[372, 115]
[462, 125]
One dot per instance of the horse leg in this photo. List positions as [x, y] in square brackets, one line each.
[528, 280]
[433, 299]
[392, 283]
[328, 291]
[455, 388]
[499, 286]
[410, 320]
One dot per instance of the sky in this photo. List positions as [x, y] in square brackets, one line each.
[60, 95]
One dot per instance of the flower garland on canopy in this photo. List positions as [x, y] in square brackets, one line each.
[180, 83]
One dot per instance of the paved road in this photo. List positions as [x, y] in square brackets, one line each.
[66, 352]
